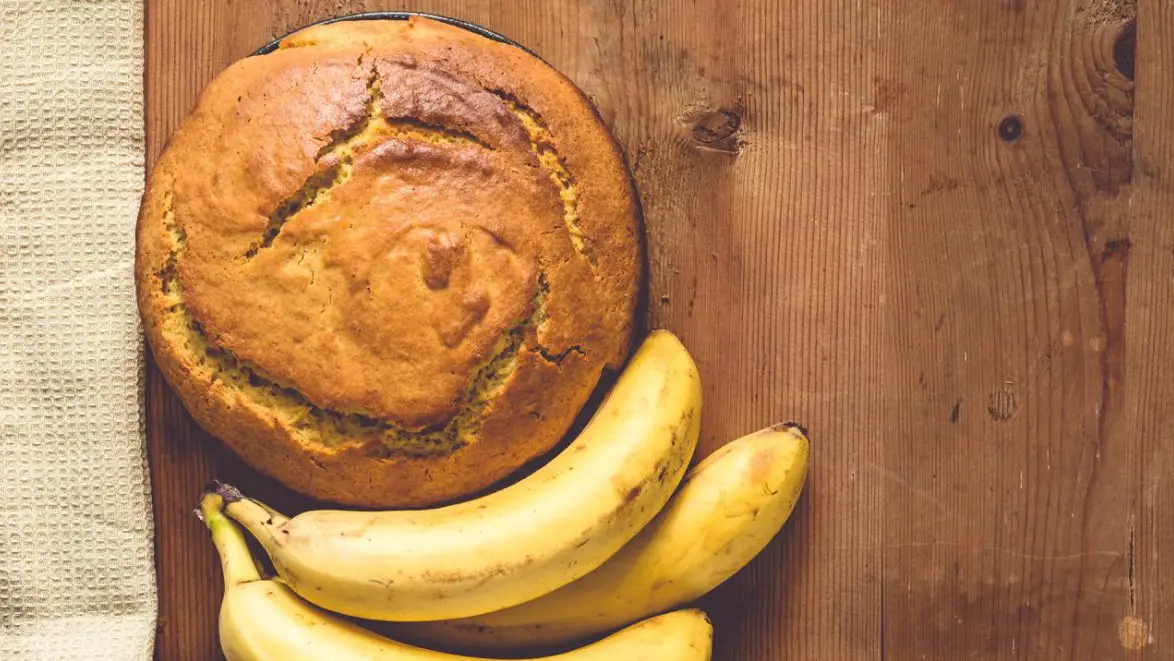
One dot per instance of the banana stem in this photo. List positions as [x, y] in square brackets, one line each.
[236, 561]
[276, 519]
[257, 517]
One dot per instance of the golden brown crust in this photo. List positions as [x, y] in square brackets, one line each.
[388, 262]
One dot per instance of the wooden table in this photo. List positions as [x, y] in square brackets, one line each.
[938, 232]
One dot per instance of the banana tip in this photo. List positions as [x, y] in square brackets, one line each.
[218, 492]
[229, 493]
[210, 505]
[783, 426]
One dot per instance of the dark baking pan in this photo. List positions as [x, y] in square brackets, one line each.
[399, 16]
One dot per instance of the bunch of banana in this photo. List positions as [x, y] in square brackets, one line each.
[513, 545]
[727, 510]
[263, 620]
[591, 542]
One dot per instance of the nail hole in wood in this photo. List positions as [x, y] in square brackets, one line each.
[1124, 49]
[1010, 128]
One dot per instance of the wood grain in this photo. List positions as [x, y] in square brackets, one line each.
[935, 232]
[1009, 508]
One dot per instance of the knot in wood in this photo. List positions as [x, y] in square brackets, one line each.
[716, 127]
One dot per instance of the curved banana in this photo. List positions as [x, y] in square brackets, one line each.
[263, 620]
[513, 545]
[727, 509]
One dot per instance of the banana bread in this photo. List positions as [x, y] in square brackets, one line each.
[388, 262]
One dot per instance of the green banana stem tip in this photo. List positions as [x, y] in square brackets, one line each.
[236, 560]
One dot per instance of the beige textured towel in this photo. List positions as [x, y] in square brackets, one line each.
[76, 567]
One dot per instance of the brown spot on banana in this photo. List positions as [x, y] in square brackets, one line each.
[670, 464]
[761, 464]
[634, 492]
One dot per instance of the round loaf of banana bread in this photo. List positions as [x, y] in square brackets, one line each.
[388, 262]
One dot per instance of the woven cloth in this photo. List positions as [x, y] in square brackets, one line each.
[76, 553]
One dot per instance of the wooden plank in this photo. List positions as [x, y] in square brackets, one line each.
[1008, 494]
[845, 231]
[1150, 288]
[1014, 497]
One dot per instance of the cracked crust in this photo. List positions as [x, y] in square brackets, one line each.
[388, 262]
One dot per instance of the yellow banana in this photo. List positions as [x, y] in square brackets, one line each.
[263, 620]
[516, 544]
[727, 509]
